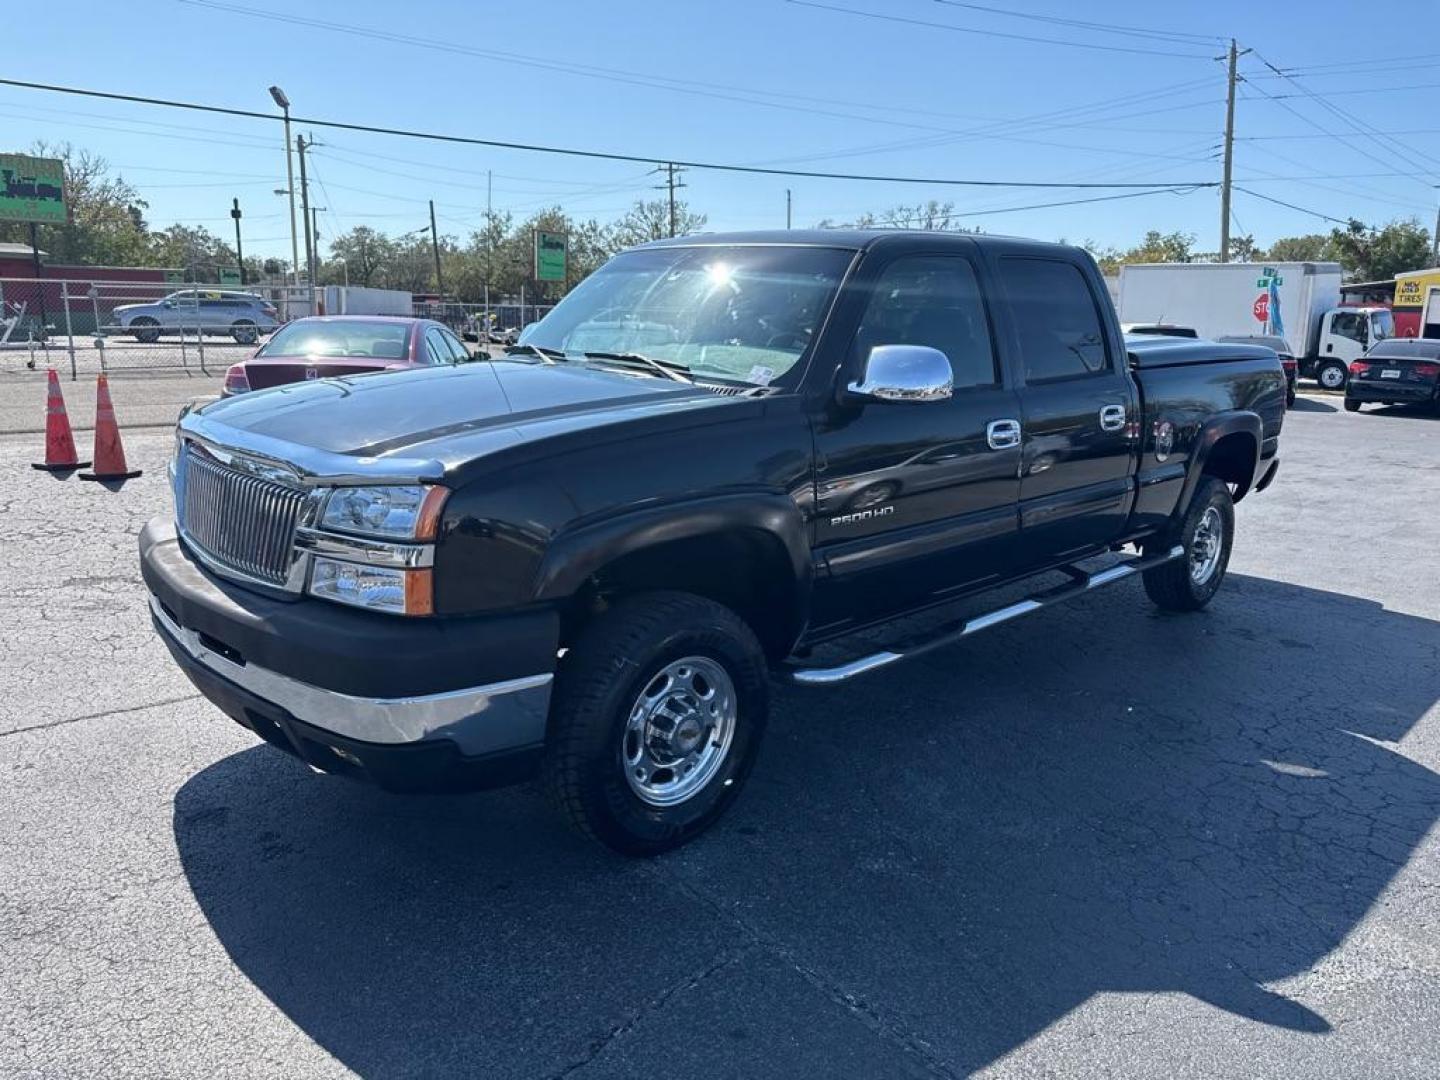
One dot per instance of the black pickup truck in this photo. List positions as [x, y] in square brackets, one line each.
[587, 559]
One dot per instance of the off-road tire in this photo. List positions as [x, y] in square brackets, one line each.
[617, 656]
[1352, 405]
[1171, 585]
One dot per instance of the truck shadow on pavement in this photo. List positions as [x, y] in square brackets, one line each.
[930, 867]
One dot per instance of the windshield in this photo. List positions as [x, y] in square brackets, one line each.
[741, 314]
[1382, 325]
[341, 337]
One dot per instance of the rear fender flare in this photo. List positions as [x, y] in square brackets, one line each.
[1210, 434]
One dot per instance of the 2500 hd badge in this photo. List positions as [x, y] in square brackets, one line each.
[586, 561]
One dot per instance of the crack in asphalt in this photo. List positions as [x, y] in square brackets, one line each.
[726, 959]
[101, 715]
[887, 1027]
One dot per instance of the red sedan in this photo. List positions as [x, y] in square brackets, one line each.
[325, 345]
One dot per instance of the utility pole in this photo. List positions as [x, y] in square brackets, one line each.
[672, 172]
[300, 145]
[435, 247]
[787, 208]
[239, 253]
[1435, 239]
[1229, 156]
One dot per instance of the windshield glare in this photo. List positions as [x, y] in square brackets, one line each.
[741, 314]
[1382, 325]
[342, 337]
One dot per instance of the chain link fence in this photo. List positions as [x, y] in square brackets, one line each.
[91, 326]
[496, 323]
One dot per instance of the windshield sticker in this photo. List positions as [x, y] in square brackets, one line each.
[761, 375]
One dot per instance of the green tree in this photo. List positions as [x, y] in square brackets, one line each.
[649, 219]
[1373, 254]
[1312, 247]
[196, 250]
[1155, 247]
[364, 251]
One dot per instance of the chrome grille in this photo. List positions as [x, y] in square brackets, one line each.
[242, 521]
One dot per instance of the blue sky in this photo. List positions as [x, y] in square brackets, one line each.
[747, 81]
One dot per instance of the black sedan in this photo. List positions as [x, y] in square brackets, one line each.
[1398, 371]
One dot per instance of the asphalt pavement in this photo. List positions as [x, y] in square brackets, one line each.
[1096, 841]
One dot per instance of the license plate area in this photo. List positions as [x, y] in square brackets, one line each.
[1390, 373]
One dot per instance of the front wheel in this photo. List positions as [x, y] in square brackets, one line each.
[145, 329]
[1189, 582]
[1332, 375]
[658, 715]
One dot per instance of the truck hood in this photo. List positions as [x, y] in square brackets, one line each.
[436, 416]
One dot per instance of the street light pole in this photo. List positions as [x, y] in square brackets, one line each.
[239, 253]
[284, 102]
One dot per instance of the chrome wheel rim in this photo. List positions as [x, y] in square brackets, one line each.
[679, 731]
[1332, 378]
[1205, 546]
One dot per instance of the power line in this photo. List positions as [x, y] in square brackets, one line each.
[648, 80]
[1395, 147]
[1292, 206]
[598, 155]
[997, 33]
[1098, 27]
[1177, 190]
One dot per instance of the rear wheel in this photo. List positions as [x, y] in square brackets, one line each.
[658, 715]
[1332, 375]
[1351, 405]
[1205, 533]
[244, 332]
[145, 329]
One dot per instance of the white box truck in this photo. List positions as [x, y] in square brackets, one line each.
[1299, 301]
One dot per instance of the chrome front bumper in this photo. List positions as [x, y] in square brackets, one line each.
[478, 720]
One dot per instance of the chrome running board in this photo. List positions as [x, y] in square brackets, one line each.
[952, 632]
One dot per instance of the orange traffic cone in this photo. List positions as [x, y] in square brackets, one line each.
[59, 443]
[109, 455]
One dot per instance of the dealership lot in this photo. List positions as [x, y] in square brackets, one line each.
[1097, 841]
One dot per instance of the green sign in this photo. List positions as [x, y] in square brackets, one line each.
[229, 275]
[550, 255]
[32, 189]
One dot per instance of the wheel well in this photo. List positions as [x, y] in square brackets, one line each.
[1232, 459]
[747, 570]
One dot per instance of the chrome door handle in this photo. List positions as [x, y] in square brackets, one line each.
[1002, 434]
[1112, 417]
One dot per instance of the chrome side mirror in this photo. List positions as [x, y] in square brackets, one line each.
[904, 373]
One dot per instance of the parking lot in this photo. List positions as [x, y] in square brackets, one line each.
[1097, 841]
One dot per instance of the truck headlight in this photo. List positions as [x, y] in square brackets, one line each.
[409, 512]
[376, 588]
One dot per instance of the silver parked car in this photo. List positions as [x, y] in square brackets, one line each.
[243, 316]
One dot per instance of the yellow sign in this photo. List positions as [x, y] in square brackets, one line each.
[1411, 290]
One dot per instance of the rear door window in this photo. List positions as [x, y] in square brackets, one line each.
[435, 347]
[1056, 319]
